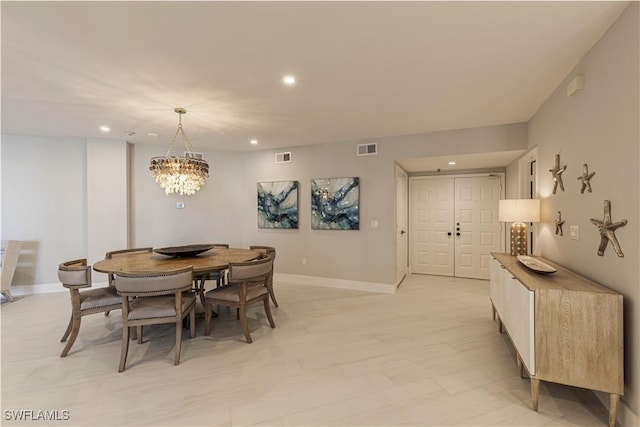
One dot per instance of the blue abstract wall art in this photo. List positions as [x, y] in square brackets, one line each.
[278, 204]
[335, 204]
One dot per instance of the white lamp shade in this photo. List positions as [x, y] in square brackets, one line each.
[519, 210]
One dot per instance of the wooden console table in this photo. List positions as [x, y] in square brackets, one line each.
[565, 328]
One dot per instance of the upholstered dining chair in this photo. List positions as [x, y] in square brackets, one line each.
[74, 276]
[111, 254]
[246, 286]
[218, 276]
[152, 298]
[269, 250]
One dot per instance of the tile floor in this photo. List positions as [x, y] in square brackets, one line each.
[428, 356]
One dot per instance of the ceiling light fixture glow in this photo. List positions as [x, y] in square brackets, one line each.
[452, 163]
[254, 142]
[105, 128]
[289, 80]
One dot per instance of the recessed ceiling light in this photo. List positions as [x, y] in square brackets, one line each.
[452, 163]
[289, 80]
[254, 142]
[104, 128]
[152, 134]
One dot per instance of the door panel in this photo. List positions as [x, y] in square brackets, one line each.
[431, 221]
[454, 225]
[476, 216]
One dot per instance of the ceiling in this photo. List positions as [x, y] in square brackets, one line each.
[364, 70]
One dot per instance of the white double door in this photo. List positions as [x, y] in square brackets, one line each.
[454, 225]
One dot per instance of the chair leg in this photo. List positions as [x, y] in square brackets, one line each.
[273, 296]
[125, 348]
[208, 308]
[139, 334]
[192, 322]
[243, 321]
[68, 331]
[201, 290]
[106, 313]
[75, 328]
[178, 341]
[267, 310]
[8, 295]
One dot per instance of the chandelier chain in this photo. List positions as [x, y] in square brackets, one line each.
[185, 138]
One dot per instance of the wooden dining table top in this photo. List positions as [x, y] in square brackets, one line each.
[215, 259]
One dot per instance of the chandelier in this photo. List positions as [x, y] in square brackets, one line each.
[177, 174]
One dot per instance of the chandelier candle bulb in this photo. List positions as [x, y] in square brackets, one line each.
[183, 175]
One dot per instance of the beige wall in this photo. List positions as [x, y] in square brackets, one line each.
[44, 203]
[600, 127]
[225, 208]
[107, 197]
[209, 216]
[71, 202]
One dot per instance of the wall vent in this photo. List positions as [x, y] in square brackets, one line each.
[367, 149]
[283, 157]
[193, 155]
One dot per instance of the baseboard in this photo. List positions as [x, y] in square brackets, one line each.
[383, 288]
[626, 417]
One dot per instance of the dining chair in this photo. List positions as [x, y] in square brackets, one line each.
[74, 276]
[218, 276]
[246, 286]
[111, 254]
[152, 298]
[269, 250]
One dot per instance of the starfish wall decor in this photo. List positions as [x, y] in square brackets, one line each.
[586, 179]
[559, 222]
[607, 230]
[557, 174]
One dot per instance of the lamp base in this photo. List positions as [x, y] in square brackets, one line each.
[519, 244]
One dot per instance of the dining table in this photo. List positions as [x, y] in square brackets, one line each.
[212, 260]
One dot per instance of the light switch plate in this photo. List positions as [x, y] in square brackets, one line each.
[574, 232]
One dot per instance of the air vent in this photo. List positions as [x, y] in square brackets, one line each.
[194, 155]
[283, 157]
[367, 149]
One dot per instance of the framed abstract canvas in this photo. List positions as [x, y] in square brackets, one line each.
[278, 204]
[335, 203]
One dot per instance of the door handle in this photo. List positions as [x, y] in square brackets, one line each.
[402, 232]
[449, 233]
[458, 234]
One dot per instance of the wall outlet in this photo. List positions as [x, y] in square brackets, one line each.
[375, 223]
[574, 232]
[304, 261]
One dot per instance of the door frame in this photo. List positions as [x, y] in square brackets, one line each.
[502, 176]
[401, 270]
[524, 191]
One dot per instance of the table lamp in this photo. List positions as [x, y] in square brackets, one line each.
[519, 212]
